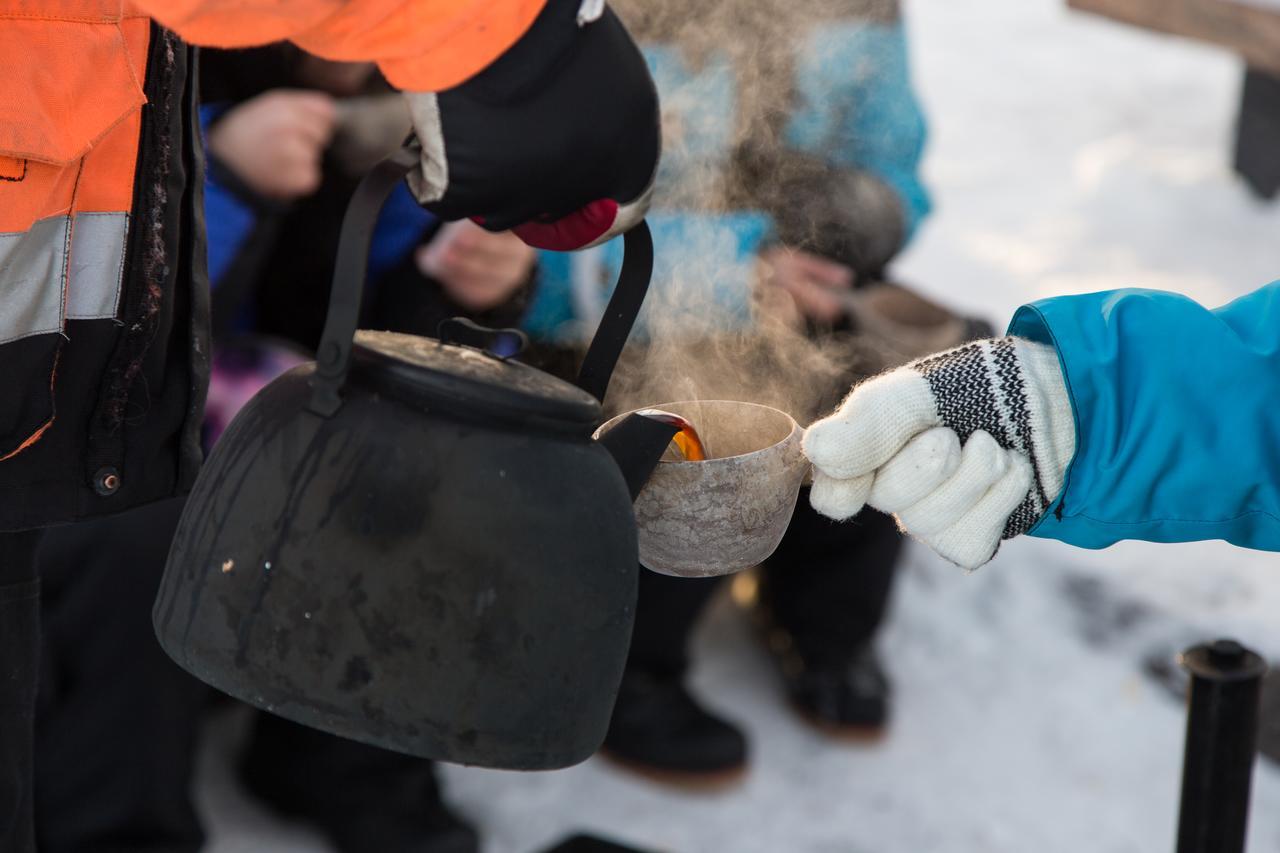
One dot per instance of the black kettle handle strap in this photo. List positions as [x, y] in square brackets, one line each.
[333, 358]
[620, 315]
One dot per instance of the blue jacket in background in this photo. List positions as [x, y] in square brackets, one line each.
[1177, 413]
[230, 220]
[854, 107]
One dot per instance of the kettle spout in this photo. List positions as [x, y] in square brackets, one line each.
[637, 444]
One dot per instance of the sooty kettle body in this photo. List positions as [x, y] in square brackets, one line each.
[416, 543]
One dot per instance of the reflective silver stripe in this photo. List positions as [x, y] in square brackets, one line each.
[97, 265]
[32, 264]
[39, 290]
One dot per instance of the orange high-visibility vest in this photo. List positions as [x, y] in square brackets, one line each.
[103, 343]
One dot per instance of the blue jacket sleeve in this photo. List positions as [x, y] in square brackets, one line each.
[228, 219]
[855, 100]
[1177, 413]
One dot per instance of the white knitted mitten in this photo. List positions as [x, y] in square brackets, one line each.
[966, 447]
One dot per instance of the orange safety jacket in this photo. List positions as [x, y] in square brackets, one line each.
[103, 329]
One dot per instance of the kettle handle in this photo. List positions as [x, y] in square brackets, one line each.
[333, 358]
[620, 315]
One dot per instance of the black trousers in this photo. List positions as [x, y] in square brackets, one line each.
[118, 721]
[19, 665]
[828, 584]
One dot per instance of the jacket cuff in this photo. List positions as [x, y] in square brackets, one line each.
[1030, 323]
[1175, 416]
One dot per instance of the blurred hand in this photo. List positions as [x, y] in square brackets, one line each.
[274, 142]
[814, 283]
[479, 269]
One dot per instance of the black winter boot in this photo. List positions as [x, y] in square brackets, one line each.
[660, 731]
[848, 699]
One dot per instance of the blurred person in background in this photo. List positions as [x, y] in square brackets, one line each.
[117, 720]
[289, 137]
[792, 145]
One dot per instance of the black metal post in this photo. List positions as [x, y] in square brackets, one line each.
[1222, 734]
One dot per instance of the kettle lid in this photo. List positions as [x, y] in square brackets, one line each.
[470, 383]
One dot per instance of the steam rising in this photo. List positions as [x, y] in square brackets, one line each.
[693, 354]
[714, 329]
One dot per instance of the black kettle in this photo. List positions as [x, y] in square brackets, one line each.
[416, 543]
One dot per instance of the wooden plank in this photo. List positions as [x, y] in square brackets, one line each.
[1251, 28]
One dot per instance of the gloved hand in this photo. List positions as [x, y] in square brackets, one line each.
[557, 140]
[966, 447]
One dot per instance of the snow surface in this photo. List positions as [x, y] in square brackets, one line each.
[1069, 154]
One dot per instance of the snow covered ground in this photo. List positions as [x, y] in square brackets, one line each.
[1068, 154]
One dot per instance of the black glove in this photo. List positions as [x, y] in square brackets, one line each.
[557, 140]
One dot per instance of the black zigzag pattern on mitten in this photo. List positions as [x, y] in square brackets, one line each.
[964, 387]
[963, 392]
[1014, 391]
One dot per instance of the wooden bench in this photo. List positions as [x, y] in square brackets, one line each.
[1250, 28]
